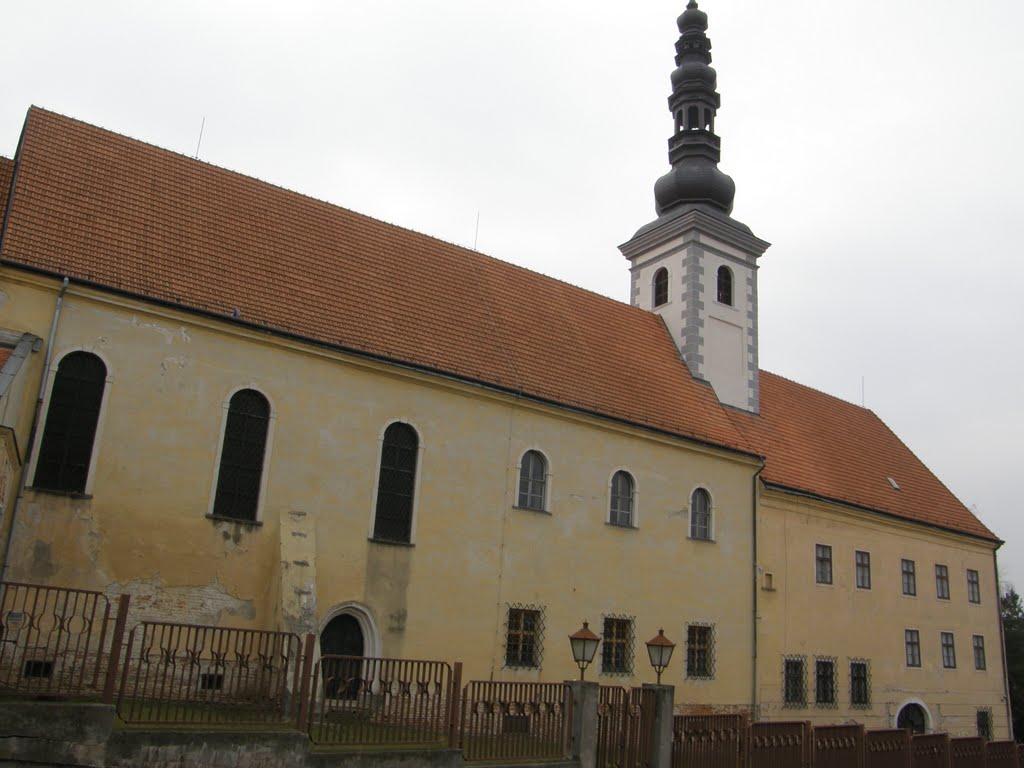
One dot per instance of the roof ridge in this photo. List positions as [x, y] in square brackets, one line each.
[335, 206]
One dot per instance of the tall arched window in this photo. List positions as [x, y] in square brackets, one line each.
[65, 451]
[725, 285]
[396, 485]
[700, 515]
[240, 475]
[621, 512]
[533, 478]
[661, 287]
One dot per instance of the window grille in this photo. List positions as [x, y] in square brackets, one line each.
[912, 642]
[909, 577]
[725, 285]
[825, 681]
[241, 456]
[948, 650]
[661, 287]
[984, 721]
[860, 684]
[700, 651]
[794, 683]
[617, 646]
[700, 515]
[979, 651]
[533, 471]
[863, 570]
[621, 512]
[973, 586]
[524, 636]
[397, 484]
[942, 582]
[70, 429]
[823, 563]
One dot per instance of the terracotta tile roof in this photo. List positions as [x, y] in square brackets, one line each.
[4, 354]
[6, 170]
[101, 207]
[818, 444]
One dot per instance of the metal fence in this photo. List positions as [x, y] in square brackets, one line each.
[193, 674]
[625, 726]
[968, 752]
[709, 741]
[839, 746]
[888, 748]
[780, 745]
[56, 641]
[930, 750]
[358, 701]
[1002, 754]
[515, 721]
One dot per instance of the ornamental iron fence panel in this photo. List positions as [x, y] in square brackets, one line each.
[930, 750]
[625, 727]
[1002, 754]
[887, 748]
[709, 741]
[968, 752]
[516, 721]
[780, 745]
[189, 674]
[839, 746]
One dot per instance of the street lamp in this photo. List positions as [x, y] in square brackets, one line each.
[660, 650]
[584, 646]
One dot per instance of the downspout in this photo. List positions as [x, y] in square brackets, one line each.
[23, 483]
[1002, 646]
[755, 590]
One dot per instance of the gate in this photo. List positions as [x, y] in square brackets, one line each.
[625, 727]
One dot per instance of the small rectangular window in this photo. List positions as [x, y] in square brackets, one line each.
[948, 650]
[825, 682]
[912, 641]
[211, 681]
[942, 582]
[979, 652]
[524, 632]
[984, 720]
[863, 570]
[700, 651]
[617, 646]
[37, 668]
[823, 563]
[860, 685]
[909, 577]
[794, 692]
[973, 586]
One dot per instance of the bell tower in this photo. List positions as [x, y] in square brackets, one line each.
[695, 265]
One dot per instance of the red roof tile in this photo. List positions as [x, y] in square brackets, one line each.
[6, 171]
[818, 444]
[4, 354]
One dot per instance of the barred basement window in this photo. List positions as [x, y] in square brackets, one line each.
[979, 651]
[397, 484]
[533, 472]
[211, 681]
[860, 684]
[909, 577]
[948, 650]
[973, 586]
[794, 684]
[942, 582]
[825, 681]
[700, 651]
[617, 646]
[863, 570]
[661, 287]
[984, 721]
[241, 457]
[65, 451]
[524, 636]
[621, 512]
[37, 668]
[912, 643]
[700, 515]
[823, 563]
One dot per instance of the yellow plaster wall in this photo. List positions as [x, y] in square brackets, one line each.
[802, 617]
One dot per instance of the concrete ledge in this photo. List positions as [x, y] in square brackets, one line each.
[56, 721]
[435, 758]
[209, 749]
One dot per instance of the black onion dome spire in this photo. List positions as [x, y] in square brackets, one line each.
[694, 150]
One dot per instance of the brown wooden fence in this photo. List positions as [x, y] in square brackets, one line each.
[516, 721]
[780, 745]
[888, 748]
[700, 741]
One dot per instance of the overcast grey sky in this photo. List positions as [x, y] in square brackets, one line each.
[877, 146]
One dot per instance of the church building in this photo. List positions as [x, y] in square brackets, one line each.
[247, 407]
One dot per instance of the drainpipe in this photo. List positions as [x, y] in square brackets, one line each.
[753, 628]
[1002, 646]
[32, 429]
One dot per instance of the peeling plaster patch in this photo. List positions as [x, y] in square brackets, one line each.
[152, 600]
[168, 334]
[3, 298]
[396, 620]
[174, 362]
[42, 561]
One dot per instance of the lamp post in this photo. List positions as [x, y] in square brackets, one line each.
[584, 646]
[660, 650]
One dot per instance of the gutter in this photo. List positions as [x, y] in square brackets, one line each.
[755, 589]
[23, 482]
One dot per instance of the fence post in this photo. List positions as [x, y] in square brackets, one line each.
[661, 728]
[304, 682]
[116, 649]
[454, 706]
[585, 699]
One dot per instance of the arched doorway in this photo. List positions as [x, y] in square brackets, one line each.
[341, 637]
[912, 716]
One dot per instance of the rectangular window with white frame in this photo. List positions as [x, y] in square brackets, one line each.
[948, 650]
[973, 586]
[863, 570]
[823, 563]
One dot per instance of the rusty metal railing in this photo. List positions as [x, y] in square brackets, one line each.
[515, 721]
[709, 741]
[360, 701]
[190, 674]
[56, 641]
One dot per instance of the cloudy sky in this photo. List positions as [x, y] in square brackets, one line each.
[878, 146]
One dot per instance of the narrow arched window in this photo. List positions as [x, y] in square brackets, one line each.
[661, 287]
[396, 486]
[700, 515]
[621, 512]
[65, 451]
[533, 478]
[725, 285]
[240, 475]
